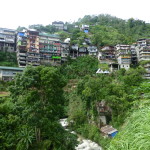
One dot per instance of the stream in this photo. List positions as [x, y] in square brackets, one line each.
[84, 144]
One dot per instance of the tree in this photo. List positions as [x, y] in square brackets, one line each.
[80, 67]
[38, 96]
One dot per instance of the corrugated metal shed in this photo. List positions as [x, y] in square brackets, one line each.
[109, 130]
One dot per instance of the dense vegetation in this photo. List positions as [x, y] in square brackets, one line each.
[42, 95]
[8, 59]
[104, 30]
[134, 134]
[79, 67]
[111, 30]
[117, 90]
[29, 119]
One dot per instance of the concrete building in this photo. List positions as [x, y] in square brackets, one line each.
[74, 51]
[107, 55]
[21, 48]
[64, 52]
[82, 51]
[50, 49]
[134, 58]
[33, 56]
[147, 68]
[28, 48]
[59, 25]
[85, 28]
[143, 49]
[8, 73]
[92, 50]
[143, 55]
[123, 54]
[7, 40]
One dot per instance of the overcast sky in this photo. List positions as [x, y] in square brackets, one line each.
[14, 13]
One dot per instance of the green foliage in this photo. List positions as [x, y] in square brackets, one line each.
[106, 35]
[78, 37]
[144, 62]
[103, 66]
[3, 86]
[30, 120]
[63, 35]
[25, 137]
[76, 110]
[48, 28]
[135, 132]
[110, 30]
[118, 91]
[8, 59]
[19, 29]
[8, 124]
[80, 67]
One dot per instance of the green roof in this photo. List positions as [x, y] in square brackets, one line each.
[49, 35]
[11, 68]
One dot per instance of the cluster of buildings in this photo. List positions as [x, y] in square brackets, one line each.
[37, 48]
[123, 56]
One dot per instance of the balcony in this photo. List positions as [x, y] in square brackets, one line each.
[22, 54]
[148, 58]
[33, 56]
[22, 58]
[145, 52]
[22, 62]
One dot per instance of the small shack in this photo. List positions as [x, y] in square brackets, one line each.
[109, 131]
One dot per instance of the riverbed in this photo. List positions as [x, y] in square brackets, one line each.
[84, 144]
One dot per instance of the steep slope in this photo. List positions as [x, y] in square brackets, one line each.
[135, 132]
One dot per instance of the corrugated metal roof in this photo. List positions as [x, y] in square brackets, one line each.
[11, 68]
[108, 129]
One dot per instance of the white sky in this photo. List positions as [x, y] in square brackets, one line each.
[16, 13]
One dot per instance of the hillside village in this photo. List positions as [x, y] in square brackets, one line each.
[36, 48]
[85, 85]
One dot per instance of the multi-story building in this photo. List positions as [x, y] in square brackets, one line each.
[64, 52]
[133, 55]
[147, 69]
[143, 54]
[143, 49]
[123, 54]
[34, 48]
[58, 24]
[28, 48]
[33, 56]
[74, 51]
[107, 54]
[7, 40]
[21, 46]
[82, 51]
[50, 49]
[92, 50]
